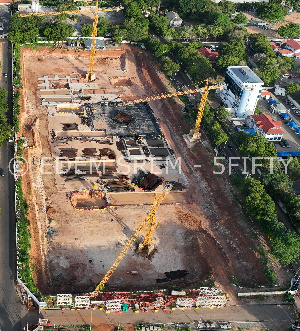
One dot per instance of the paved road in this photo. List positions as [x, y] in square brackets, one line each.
[276, 317]
[13, 316]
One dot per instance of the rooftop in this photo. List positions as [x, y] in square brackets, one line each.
[245, 74]
[294, 44]
[208, 53]
[285, 51]
[99, 43]
[267, 124]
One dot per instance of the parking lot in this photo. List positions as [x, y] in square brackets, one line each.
[289, 135]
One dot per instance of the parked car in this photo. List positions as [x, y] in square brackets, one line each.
[5, 75]
[282, 144]
[286, 143]
[1, 172]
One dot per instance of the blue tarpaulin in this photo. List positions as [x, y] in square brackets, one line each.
[282, 154]
[292, 124]
[284, 115]
[272, 101]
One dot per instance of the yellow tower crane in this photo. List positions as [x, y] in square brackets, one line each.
[90, 75]
[194, 134]
[148, 222]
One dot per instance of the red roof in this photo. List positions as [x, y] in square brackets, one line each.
[273, 45]
[294, 44]
[267, 124]
[265, 93]
[285, 51]
[208, 53]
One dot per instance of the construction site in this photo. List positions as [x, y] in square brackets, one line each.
[95, 164]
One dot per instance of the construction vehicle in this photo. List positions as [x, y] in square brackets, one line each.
[194, 134]
[90, 75]
[149, 223]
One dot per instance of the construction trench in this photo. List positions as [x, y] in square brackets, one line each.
[93, 172]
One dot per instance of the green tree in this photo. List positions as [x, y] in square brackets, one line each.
[137, 29]
[237, 32]
[240, 18]
[24, 29]
[215, 31]
[67, 6]
[5, 129]
[292, 88]
[133, 10]
[201, 69]
[286, 247]
[160, 24]
[273, 12]
[292, 203]
[188, 7]
[227, 7]
[187, 56]
[59, 31]
[221, 114]
[290, 30]
[219, 19]
[277, 184]
[147, 4]
[118, 34]
[261, 44]
[269, 70]
[256, 145]
[86, 30]
[231, 53]
[102, 26]
[208, 115]
[285, 63]
[218, 135]
[294, 168]
[168, 66]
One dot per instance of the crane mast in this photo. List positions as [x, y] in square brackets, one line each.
[90, 75]
[157, 201]
[195, 134]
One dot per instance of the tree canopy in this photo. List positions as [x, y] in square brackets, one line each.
[168, 66]
[261, 44]
[136, 28]
[5, 129]
[231, 53]
[240, 18]
[256, 145]
[269, 70]
[24, 29]
[290, 30]
[273, 12]
[59, 31]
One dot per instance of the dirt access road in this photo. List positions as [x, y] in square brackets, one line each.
[206, 237]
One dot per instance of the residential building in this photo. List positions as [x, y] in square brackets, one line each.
[265, 95]
[294, 46]
[279, 90]
[174, 19]
[266, 126]
[286, 52]
[242, 90]
[209, 54]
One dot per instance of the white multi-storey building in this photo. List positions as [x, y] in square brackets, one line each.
[242, 90]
